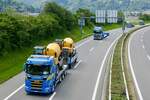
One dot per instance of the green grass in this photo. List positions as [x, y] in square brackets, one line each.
[118, 86]
[12, 63]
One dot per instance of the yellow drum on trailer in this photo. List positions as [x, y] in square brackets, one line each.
[53, 49]
[68, 43]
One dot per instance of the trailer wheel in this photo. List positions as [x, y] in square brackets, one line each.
[60, 79]
[75, 61]
[63, 76]
[70, 66]
[28, 93]
[65, 73]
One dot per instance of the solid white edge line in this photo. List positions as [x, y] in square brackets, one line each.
[52, 96]
[101, 68]
[132, 70]
[123, 73]
[110, 77]
[14, 92]
[77, 64]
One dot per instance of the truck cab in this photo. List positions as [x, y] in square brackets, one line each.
[39, 50]
[41, 74]
[98, 33]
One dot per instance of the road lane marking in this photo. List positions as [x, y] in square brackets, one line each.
[91, 49]
[110, 77]
[148, 57]
[14, 92]
[77, 64]
[143, 46]
[132, 70]
[123, 73]
[141, 40]
[52, 96]
[101, 68]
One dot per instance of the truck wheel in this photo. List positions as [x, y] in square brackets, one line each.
[75, 61]
[60, 80]
[69, 66]
[28, 93]
[63, 76]
[53, 89]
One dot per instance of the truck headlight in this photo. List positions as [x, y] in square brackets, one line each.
[28, 77]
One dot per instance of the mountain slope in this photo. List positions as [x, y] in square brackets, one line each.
[91, 4]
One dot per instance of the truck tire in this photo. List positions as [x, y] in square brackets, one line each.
[53, 89]
[28, 93]
[70, 66]
[63, 76]
[75, 61]
[60, 79]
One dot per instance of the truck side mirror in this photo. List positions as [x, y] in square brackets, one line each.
[24, 67]
[65, 66]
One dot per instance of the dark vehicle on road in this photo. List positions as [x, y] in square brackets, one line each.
[98, 33]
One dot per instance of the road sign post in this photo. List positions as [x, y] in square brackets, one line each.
[81, 23]
[123, 25]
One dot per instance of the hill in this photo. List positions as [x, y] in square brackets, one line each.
[75, 4]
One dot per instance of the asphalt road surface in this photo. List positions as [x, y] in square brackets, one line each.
[84, 82]
[139, 58]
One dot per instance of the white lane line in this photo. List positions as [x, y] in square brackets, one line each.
[132, 70]
[83, 43]
[143, 46]
[91, 49]
[14, 92]
[101, 68]
[77, 64]
[123, 73]
[52, 96]
[110, 77]
[148, 57]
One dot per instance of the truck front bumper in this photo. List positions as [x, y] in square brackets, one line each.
[43, 90]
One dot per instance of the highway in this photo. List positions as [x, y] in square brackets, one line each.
[84, 82]
[139, 59]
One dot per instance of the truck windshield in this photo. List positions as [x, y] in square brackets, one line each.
[97, 32]
[38, 69]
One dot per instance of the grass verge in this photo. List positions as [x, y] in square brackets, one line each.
[118, 87]
[12, 63]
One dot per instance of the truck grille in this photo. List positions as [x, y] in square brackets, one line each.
[36, 85]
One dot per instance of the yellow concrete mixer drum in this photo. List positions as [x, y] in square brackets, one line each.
[53, 49]
[68, 43]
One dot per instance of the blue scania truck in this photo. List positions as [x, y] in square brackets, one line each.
[44, 70]
[99, 34]
[48, 66]
[42, 74]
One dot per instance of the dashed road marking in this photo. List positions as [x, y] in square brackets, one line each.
[148, 57]
[14, 92]
[77, 64]
[91, 49]
[52, 96]
[143, 46]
